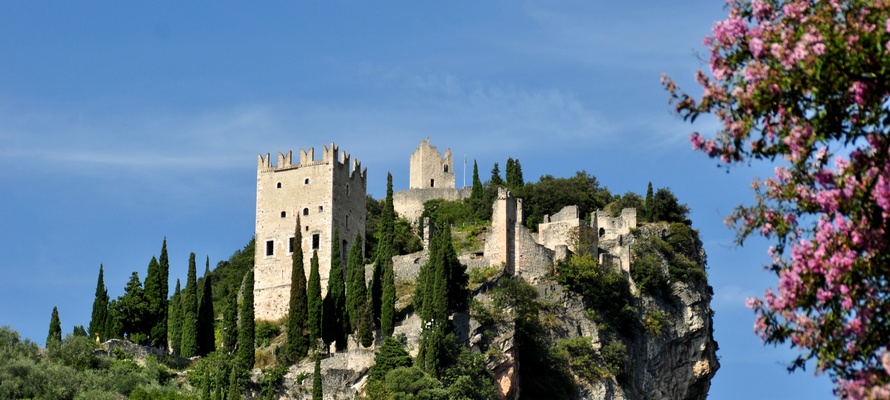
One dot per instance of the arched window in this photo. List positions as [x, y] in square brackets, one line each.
[283, 214]
[305, 211]
[602, 232]
[306, 182]
[321, 209]
[278, 185]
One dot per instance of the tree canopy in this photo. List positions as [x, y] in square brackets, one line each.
[806, 85]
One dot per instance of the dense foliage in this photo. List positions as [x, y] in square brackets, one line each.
[807, 84]
[297, 344]
[189, 303]
[335, 322]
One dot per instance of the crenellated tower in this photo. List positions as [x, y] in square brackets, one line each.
[328, 194]
[429, 169]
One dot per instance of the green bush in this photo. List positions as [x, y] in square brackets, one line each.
[265, 332]
[654, 322]
[615, 356]
[582, 359]
[604, 290]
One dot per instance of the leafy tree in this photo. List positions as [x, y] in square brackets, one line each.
[629, 200]
[175, 329]
[55, 329]
[206, 316]
[549, 195]
[80, 331]
[189, 342]
[807, 83]
[100, 306]
[297, 333]
[245, 352]
[314, 302]
[666, 207]
[335, 321]
[316, 379]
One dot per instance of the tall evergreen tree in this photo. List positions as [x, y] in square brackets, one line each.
[230, 321]
[189, 343]
[99, 318]
[154, 301]
[176, 320]
[356, 292]
[514, 175]
[313, 301]
[206, 316]
[297, 333]
[316, 379]
[246, 327]
[495, 179]
[647, 211]
[385, 229]
[335, 321]
[55, 330]
[477, 192]
[160, 332]
[132, 310]
[442, 281]
[388, 299]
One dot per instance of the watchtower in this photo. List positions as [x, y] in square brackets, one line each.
[327, 194]
[429, 169]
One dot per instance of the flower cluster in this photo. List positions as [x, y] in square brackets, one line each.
[807, 84]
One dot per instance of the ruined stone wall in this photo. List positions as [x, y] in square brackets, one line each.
[510, 244]
[429, 169]
[325, 193]
[409, 203]
[614, 236]
[555, 229]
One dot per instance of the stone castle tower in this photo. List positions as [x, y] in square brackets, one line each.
[430, 170]
[327, 194]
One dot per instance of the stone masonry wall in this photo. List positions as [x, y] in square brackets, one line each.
[510, 244]
[409, 203]
[429, 169]
[325, 193]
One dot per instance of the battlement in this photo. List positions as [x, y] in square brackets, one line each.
[429, 169]
[307, 159]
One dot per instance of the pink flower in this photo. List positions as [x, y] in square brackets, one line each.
[756, 47]
[858, 92]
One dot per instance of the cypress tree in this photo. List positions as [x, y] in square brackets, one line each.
[54, 337]
[356, 292]
[477, 192]
[366, 324]
[335, 321]
[496, 177]
[385, 228]
[316, 379]
[189, 343]
[99, 318]
[313, 301]
[160, 332]
[152, 290]
[206, 316]
[388, 300]
[132, 311]
[647, 211]
[230, 321]
[297, 334]
[246, 327]
[514, 175]
[176, 320]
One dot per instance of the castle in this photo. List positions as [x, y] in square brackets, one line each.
[327, 194]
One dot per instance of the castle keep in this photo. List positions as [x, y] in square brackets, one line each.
[327, 194]
[431, 176]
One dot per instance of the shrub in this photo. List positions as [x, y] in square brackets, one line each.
[615, 356]
[265, 332]
[578, 352]
[654, 322]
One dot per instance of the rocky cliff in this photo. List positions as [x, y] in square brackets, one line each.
[574, 331]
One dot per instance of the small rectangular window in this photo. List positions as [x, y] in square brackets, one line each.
[290, 245]
[270, 247]
[315, 241]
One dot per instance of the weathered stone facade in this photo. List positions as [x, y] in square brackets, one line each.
[510, 244]
[614, 234]
[429, 169]
[431, 176]
[327, 194]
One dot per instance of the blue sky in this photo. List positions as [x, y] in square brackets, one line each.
[122, 123]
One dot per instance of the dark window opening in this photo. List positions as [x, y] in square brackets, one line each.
[305, 211]
[290, 245]
[270, 247]
[306, 182]
[278, 185]
[307, 228]
[347, 190]
[321, 209]
[315, 241]
[602, 232]
[283, 214]
[446, 167]
[432, 183]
